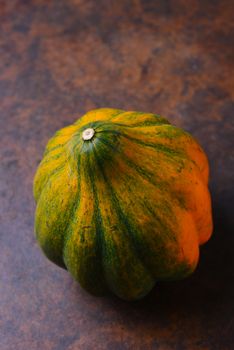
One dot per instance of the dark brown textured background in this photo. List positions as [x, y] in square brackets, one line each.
[61, 58]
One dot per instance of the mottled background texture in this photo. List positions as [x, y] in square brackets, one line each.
[60, 58]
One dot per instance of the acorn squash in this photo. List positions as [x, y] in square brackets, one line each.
[123, 201]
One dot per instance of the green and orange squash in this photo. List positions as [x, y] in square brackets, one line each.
[123, 201]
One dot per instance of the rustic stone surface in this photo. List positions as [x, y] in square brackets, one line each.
[61, 58]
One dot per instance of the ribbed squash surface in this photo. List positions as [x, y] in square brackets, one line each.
[127, 207]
